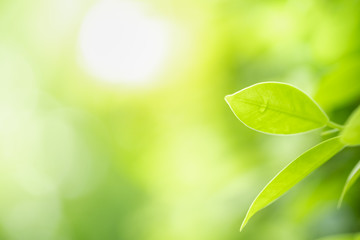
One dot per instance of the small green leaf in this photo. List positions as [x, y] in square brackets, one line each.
[354, 175]
[341, 86]
[276, 108]
[294, 173]
[351, 132]
[355, 236]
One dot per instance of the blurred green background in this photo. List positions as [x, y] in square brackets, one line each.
[114, 124]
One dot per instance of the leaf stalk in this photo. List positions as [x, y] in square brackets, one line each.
[335, 125]
[329, 132]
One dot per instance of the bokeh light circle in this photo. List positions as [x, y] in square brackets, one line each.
[123, 42]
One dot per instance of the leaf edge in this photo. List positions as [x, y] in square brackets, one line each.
[278, 134]
[248, 217]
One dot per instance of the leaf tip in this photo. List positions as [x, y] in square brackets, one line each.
[243, 224]
[339, 204]
[341, 199]
[227, 98]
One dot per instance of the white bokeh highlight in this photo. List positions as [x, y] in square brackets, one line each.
[122, 42]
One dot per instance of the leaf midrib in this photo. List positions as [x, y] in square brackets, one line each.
[312, 168]
[279, 110]
[329, 154]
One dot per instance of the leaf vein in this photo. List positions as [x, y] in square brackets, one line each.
[278, 110]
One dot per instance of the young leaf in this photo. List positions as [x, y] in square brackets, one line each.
[354, 236]
[351, 132]
[354, 175]
[293, 173]
[276, 108]
[341, 86]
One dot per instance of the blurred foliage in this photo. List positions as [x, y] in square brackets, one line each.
[82, 158]
[343, 237]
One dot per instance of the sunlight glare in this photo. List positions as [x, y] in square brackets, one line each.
[121, 42]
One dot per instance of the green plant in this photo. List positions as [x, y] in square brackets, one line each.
[280, 108]
[354, 236]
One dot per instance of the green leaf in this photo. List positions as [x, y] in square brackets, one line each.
[354, 175]
[276, 108]
[355, 236]
[351, 132]
[294, 173]
[341, 86]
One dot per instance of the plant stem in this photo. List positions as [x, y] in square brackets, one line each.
[335, 125]
[331, 131]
